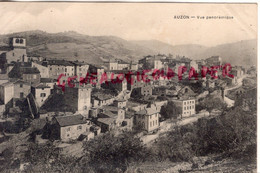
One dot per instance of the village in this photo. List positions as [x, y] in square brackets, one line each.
[32, 96]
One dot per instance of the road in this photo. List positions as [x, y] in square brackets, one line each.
[228, 101]
[167, 125]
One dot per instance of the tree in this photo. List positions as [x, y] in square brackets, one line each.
[211, 102]
[170, 111]
[108, 152]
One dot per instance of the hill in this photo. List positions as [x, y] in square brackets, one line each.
[189, 50]
[97, 49]
[71, 45]
[238, 53]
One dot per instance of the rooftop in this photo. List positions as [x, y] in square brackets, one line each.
[110, 108]
[15, 82]
[70, 120]
[148, 111]
[109, 113]
[107, 121]
[59, 62]
[41, 85]
[29, 70]
[3, 76]
[48, 80]
[78, 63]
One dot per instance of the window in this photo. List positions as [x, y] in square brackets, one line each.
[190, 107]
[80, 69]
[153, 123]
[79, 127]
[21, 41]
[13, 54]
[68, 135]
[65, 69]
[21, 85]
[21, 95]
[17, 40]
[156, 122]
[150, 124]
[184, 108]
[43, 94]
[68, 129]
[184, 103]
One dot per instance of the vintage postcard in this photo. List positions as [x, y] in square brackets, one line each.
[128, 87]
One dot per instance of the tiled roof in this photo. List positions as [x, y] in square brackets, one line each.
[3, 76]
[21, 82]
[7, 84]
[70, 120]
[14, 82]
[109, 114]
[30, 70]
[48, 80]
[129, 114]
[59, 62]
[22, 68]
[110, 108]
[42, 86]
[121, 62]
[107, 121]
[78, 63]
[148, 111]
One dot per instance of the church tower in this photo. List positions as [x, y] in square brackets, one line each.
[18, 43]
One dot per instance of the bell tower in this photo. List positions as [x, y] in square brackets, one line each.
[18, 42]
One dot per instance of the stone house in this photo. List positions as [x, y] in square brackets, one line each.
[148, 119]
[25, 72]
[71, 127]
[187, 106]
[14, 90]
[78, 98]
[81, 69]
[42, 67]
[41, 93]
[58, 67]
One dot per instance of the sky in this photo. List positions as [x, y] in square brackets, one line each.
[135, 21]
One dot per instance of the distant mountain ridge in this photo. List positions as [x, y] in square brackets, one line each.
[75, 46]
[238, 53]
[97, 49]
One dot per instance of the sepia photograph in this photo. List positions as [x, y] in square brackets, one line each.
[128, 87]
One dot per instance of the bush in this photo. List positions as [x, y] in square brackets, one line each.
[109, 153]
